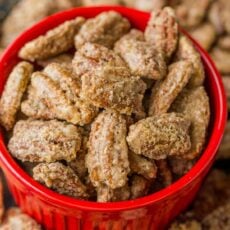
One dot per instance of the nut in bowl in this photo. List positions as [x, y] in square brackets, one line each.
[137, 127]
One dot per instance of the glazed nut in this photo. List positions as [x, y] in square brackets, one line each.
[162, 31]
[61, 178]
[142, 58]
[15, 219]
[194, 105]
[105, 29]
[54, 42]
[13, 92]
[165, 91]
[53, 94]
[160, 136]
[107, 158]
[187, 51]
[142, 166]
[106, 80]
[44, 141]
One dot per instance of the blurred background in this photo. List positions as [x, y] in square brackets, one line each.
[208, 21]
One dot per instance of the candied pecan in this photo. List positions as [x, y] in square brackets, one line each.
[93, 57]
[222, 59]
[148, 5]
[142, 166]
[106, 194]
[165, 91]
[107, 158]
[185, 225]
[15, 219]
[12, 94]
[38, 141]
[160, 136]
[214, 16]
[55, 96]
[224, 42]
[54, 42]
[194, 105]
[219, 219]
[205, 34]
[23, 15]
[186, 51]
[108, 89]
[143, 59]
[214, 193]
[60, 178]
[224, 14]
[162, 31]
[105, 29]
[191, 13]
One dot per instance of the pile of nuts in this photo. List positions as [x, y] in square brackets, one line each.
[122, 116]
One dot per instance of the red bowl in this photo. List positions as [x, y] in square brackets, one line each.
[55, 211]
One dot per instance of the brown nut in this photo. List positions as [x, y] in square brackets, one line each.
[214, 193]
[54, 96]
[222, 59]
[142, 166]
[205, 34]
[60, 178]
[186, 51]
[160, 136]
[15, 219]
[162, 31]
[49, 141]
[54, 42]
[107, 158]
[93, 57]
[106, 194]
[143, 58]
[164, 92]
[109, 90]
[63, 59]
[105, 29]
[191, 13]
[23, 15]
[218, 219]
[214, 16]
[224, 42]
[13, 92]
[194, 105]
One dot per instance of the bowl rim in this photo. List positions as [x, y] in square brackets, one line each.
[9, 164]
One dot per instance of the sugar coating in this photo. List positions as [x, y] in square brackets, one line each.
[107, 158]
[54, 42]
[13, 92]
[162, 31]
[44, 141]
[160, 136]
[194, 105]
[105, 29]
[60, 178]
[164, 92]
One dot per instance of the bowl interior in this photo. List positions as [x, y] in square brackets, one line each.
[138, 20]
